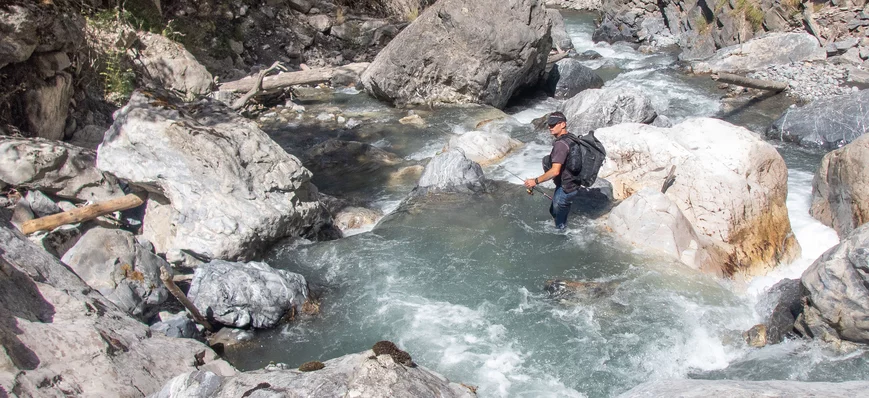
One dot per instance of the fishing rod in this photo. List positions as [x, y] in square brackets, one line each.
[530, 192]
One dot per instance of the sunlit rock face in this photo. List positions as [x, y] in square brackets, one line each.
[730, 185]
[450, 55]
[840, 189]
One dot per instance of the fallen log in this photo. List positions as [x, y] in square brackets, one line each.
[81, 214]
[770, 85]
[283, 80]
[556, 57]
[169, 282]
[257, 87]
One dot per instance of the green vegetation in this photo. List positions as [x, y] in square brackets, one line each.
[752, 12]
[701, 24]
[412, 15]
[119, 81]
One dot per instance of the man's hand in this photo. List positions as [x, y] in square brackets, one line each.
[530, 183]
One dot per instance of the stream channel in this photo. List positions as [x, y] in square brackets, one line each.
[458, 283]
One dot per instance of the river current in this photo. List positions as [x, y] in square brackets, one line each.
[458, 283]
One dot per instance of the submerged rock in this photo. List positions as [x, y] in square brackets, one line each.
[447, 56]
[354, 375]
[730, 185]
[840, 189]
[451, 172]
[484, 147]
[233, 190]
[246, 295]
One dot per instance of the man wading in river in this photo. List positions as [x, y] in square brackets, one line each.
[565, 188]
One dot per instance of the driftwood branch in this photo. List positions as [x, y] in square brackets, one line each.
[283, 80]
[256, 89]
[556, 57]
[168, 281]
[81, 214]
[750, 83]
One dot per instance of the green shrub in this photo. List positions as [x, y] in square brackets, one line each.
[119, 81]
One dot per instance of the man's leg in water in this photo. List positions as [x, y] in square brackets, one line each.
[560, 207]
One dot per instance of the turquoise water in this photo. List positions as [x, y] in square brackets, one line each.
[458, 281]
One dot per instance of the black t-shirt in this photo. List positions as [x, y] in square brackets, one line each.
[560, 152]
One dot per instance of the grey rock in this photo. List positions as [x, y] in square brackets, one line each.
[56, 168]
[686, 388]
[302, 6]
[21, 213]
[321, 23]
[838, 286]
[827, 123]
[48, 64]
[90, 136]
[840, 193]
[356, 217]
[233, 190]
[589, 55]
[662, 121]
[353, 375]
[59, 240]
[568, 77]
[480, 63]
[170, 66]
[246, 295]
[696, 46]
[451, 172]
[484, 147]
[595, 108]
[760, 52]
[844, 45]
[19, 38]
[560, 37]
[178, 326]
[40, 204]
[53, 307]
[858, 76]
[115, 264]
[46, 106]
[227, 336]
[196, 384]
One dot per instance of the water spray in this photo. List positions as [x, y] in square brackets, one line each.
[530, 192]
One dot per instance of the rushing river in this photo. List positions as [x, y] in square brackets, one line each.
[458, 282]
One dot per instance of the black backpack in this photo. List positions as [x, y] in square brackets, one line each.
[585, 159]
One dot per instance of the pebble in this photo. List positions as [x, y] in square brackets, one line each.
[808, 81]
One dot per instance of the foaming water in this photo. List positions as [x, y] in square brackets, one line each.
[457, 281]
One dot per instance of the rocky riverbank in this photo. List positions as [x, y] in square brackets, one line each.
[211, 191]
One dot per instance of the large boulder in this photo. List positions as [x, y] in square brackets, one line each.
[233, 190]
[124, 271]
[26, 29]
[692, 388]
[730, 185]
[451, 172]
[838, 286]
[761, 52]
[484, 147]
[826, 123]
[595, 108]
[46, 105]
[840, 189]
[650, 219]
[355, 375]
[168, 65]
[246, 295]
[569, 76]
[448, 56]
[55, 168]
[62, 338]
[560, 38]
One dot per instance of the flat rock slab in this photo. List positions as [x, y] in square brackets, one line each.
[825, 123]
[761, 52]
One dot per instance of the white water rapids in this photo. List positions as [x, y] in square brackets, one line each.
[458, 284]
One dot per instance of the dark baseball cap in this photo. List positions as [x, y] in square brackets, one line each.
[555, 118]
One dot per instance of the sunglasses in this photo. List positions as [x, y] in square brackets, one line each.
[553, 125]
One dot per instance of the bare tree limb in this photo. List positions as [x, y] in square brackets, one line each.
[81, 214]
[166, 277]
[257, 87]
